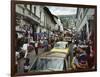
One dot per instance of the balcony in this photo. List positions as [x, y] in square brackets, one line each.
[32, 16]
[27, 13]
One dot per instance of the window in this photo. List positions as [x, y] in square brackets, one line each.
[40, 14]
[31, 8]
[34, 9]
[25, 6]
[23, 10]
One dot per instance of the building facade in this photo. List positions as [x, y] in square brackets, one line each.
[85, 22]
[59, 25]
[34, 18]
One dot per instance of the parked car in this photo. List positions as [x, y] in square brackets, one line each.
[50, 61]
[61, 46]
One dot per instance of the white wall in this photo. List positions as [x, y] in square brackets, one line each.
[28, 6]
[42, 15]
[19, 9]
[38, 11]
[38, 29]
[49, 21]
[33, 8]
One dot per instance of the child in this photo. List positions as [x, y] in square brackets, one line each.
[83, 58]
[79, 61]
[75, 62]
[26, 65]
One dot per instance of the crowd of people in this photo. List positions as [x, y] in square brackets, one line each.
[25, 45]
[83, 53]
[84, 56]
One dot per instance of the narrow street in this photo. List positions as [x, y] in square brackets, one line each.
[32, 56]
[68, 35]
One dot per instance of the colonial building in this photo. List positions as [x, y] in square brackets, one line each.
[85, 22]
[37, 19]
[59, 25]
[28, 17]
[49, 21]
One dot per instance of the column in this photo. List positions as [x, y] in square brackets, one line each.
[87, 31]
